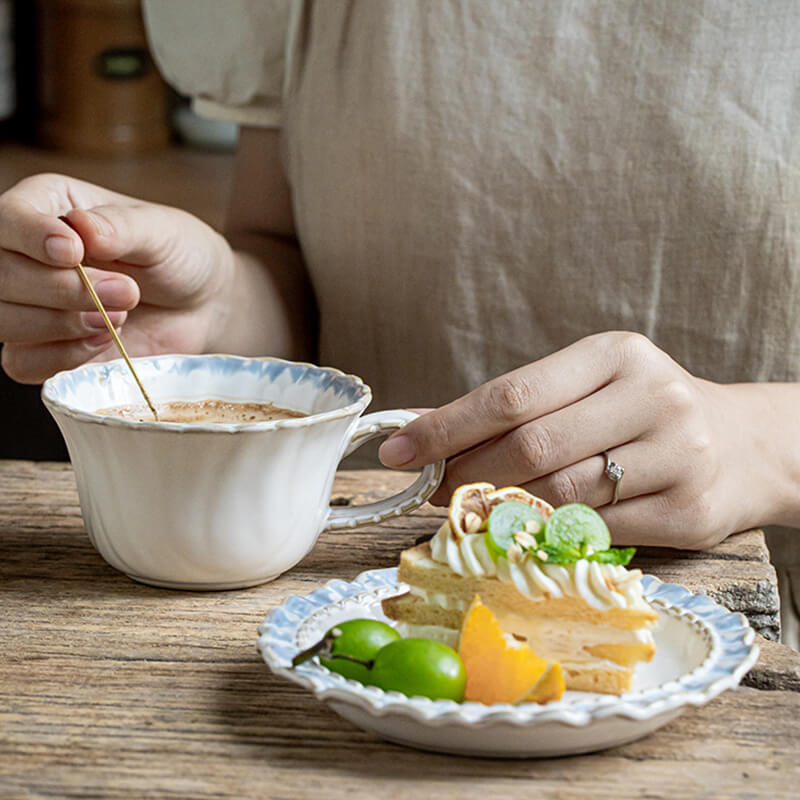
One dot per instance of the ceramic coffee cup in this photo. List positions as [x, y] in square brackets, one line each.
[210, 505]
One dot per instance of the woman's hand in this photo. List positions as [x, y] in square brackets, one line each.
[158, 271]
[699, 458]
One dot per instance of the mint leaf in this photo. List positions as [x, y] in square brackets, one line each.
[562, 554]
[615, 555]
[557, 554]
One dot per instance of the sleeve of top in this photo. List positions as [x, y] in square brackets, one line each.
[228, 57]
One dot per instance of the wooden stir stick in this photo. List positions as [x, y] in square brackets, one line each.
[88, 284]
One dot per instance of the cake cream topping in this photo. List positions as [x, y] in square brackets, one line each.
[602, 586]
[466, 556]
[446, 601]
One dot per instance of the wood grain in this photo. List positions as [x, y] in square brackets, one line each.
[113, 689]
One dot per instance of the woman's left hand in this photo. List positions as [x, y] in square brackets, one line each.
[688, 446]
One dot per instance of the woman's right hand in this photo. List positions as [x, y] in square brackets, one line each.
[159, 271]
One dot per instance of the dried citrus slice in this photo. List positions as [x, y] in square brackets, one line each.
[521, 496]
[549, 687]
[468, 508]
[499, 669]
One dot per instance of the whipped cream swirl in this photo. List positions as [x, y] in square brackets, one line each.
[602, 586]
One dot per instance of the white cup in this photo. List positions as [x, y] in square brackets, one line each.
[210, 505]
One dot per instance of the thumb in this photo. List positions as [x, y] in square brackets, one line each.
[141, 234]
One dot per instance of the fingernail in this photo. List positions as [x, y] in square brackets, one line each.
[93, 320]
[397, 450]
[96, 342]
[60, 249]
[113, 292]
[101, 224]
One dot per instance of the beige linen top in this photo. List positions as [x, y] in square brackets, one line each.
[477, 184]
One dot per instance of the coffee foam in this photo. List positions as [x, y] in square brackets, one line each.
[203, 411]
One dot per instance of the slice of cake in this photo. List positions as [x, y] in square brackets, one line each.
[548, 575]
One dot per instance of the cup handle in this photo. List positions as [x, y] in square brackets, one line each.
[373, 426]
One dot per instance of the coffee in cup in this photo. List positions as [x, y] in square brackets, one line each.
[207, 410]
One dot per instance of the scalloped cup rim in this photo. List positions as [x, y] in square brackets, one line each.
[637, 705]
[58, 406]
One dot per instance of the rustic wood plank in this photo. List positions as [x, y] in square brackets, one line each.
[164, 729]
[778, 667]
[746, 585]
[113, 689]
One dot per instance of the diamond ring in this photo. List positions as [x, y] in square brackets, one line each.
[614, 472]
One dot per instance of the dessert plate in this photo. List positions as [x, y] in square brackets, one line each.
[702, 650]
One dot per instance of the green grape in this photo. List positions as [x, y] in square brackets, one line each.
[419, 667]
[579, 526]
[361, 639]
[505, 520]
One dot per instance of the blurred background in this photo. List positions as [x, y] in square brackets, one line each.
[80, 95]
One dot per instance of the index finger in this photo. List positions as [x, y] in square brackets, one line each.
[39, 236]
[504, 403]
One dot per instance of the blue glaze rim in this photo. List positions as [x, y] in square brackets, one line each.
[731, 641]
[360, 393]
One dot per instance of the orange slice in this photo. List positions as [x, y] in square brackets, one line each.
[468, 510]
[625, 655]
[500, 669]
[549, 687]
[520, 495]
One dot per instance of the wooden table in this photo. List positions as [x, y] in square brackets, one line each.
[113, 689]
